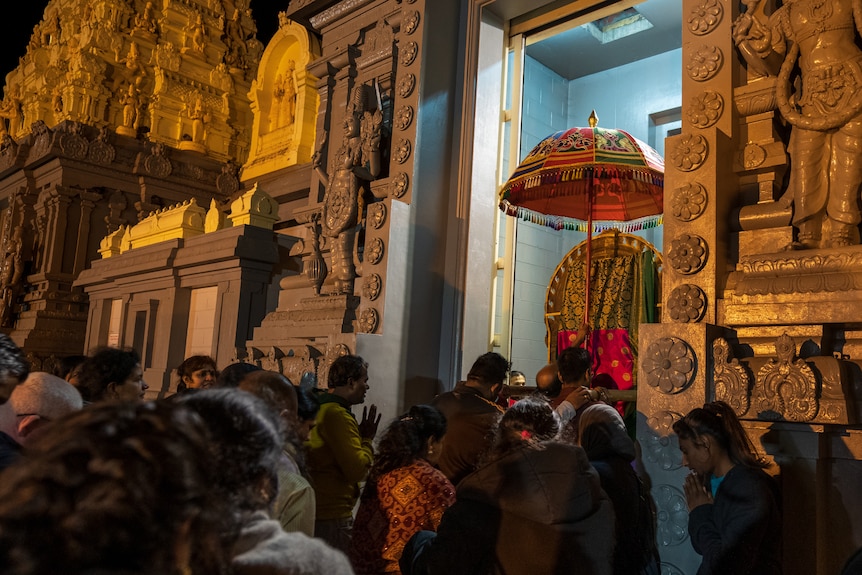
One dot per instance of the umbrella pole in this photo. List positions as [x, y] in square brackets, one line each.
[589, 259]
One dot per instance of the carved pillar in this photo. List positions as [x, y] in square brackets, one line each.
[88, 203]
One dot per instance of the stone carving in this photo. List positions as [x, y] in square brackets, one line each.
[284, 98]
[406, 85]
[788, 386]
[690, 152]
[672, 516]
[686, 304]
[356, 160]
[100, 150]
[811, 48]
[145, 20]
[400, 184]
[753, 156]
[377, 215]
[157, 163]
[314, 267]
[12, 274]
[372, 286]
[669, 365]
[688, 202]
[374, 251]
[72, 143]
[705, 109]
[410, 21]
[404, 117]
[401, 150]
[195, 39]
[732, 382]
[227, 182]
[199, 115]
[11, 113]
[368, 320]
[658, 445]
[704, 63]
[408, 53]
[688, 254]
[704, 17]
[131, 102]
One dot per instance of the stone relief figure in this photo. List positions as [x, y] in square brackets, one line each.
[356, 161]
[196, 111]
[13, 272]
[11, 114]
[196, 34]
[235, 40]
[145, 20]
[131, 108]
[132, 71]
[817, 93]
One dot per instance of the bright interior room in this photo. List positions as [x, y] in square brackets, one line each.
[622, 63]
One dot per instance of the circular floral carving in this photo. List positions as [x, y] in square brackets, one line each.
[399, 184]
[688, 202]
[403, 117]
[689, 153]
[687, 254]
[704, 17]
[406, 85]
[101, 152]
[368, 320]
[705, 109]
[401, 151]
[374, 251]
[658, 445]
[704, 63]
[671, 516]
[408, 53]
[371, 287]
[377, 214]
[686, 304]
[410, 22]
[669, 365]
[753, 155]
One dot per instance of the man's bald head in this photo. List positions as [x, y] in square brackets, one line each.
[548, 382]
[41, 398]
[273, 388]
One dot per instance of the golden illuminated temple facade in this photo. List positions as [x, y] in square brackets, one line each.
[167, 182]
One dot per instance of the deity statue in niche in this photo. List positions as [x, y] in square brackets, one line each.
[10, 110]
[810, 47]
[12, 274]
[283, 111]
[196, 111]
[356, 162]
[145, 20]
[131, 102]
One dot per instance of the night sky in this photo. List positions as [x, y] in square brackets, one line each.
[28, 14]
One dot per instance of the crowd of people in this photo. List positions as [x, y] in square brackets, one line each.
[241, 471]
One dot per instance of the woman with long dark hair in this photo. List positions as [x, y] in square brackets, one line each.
[734, 516]
[404, 492]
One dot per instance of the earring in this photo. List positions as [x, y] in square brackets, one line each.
[430, 450]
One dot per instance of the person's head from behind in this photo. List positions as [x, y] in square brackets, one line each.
[275, 389]
[246, 443]
[547, 381]
[196, 372]
[13, 367]
[112, 373]
[527, 422]
[602, 433]
[488, 373]
[69, 367]
[348, 378]
[307, 408]
[117, 487]
[232, 375]
[709, 434]
[418, 434]
[39, 400]
[573, 366]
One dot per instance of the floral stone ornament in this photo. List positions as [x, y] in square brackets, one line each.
[669, 365]
[687, 254]
[686, 304]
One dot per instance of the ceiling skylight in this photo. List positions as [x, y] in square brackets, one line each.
[618, 25]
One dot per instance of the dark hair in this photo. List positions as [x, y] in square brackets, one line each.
[190, 365]
[307, 405]
[345, 368]
[105, 365]
[110, 490]
[406, 438]
[68, 364]
[718, 420]
[246, 443]
[573, 363]
[231, 375]
[489, 369]
[12, 361]
[529, 421]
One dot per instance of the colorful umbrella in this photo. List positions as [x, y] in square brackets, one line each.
[585, 175]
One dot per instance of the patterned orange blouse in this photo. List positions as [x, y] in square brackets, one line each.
[407, 500]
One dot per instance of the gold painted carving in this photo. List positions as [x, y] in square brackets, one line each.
[404, 117]
[368, 320]
[374, 251]
[406, 85]
[732, 381]
[690, 152]
[788, 386]
[669, 365]
[377, 214]
[410, 22]
[704, 63]
[371, 287]
[408, 53]
[400, 183]
[401, 151]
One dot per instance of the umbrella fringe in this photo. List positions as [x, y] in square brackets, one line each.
[580, 175]
[562, 223]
